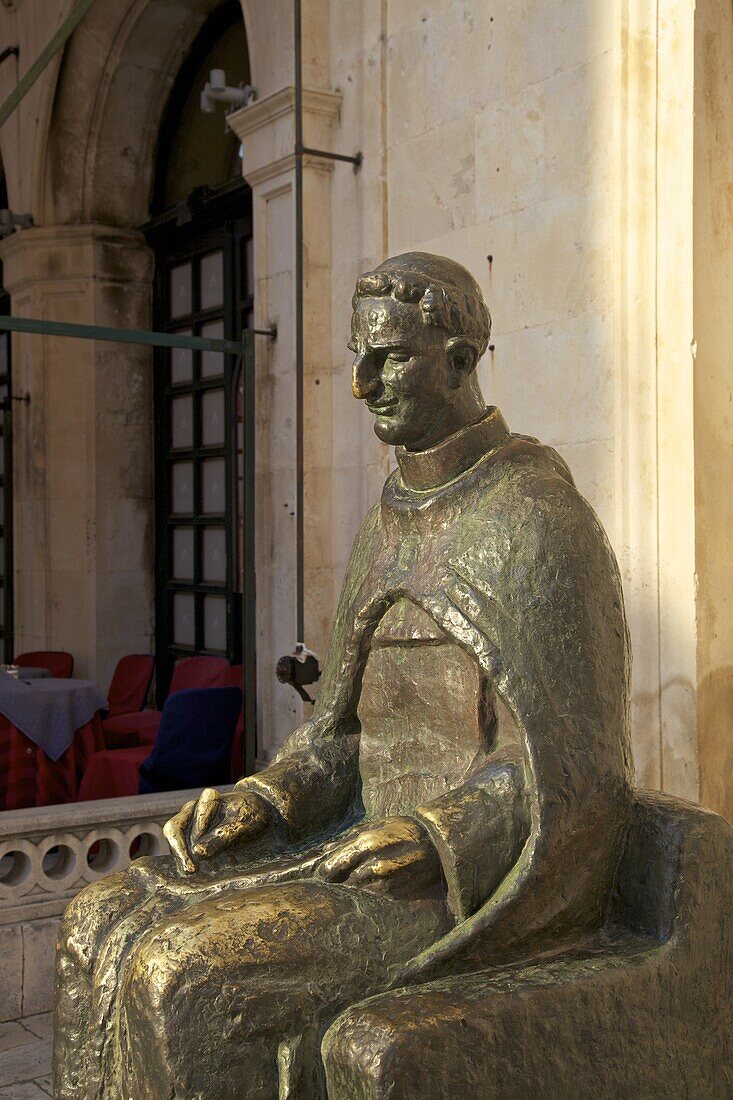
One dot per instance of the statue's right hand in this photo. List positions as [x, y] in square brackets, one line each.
[214, 822]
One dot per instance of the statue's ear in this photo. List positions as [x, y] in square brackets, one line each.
[462, 356]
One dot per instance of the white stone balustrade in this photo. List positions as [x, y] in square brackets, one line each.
[46, 856]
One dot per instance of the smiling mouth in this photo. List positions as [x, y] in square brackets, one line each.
[381, 406]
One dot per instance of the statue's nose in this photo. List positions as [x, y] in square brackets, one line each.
[364, 376]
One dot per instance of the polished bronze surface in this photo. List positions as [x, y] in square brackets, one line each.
[459, 798]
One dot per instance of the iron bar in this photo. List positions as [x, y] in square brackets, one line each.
[249, 586]
[299, 455]
[305, 151]
[129, 336]
[60, 39]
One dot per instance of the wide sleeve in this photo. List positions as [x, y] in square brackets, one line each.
[314, 783]
[479, 830]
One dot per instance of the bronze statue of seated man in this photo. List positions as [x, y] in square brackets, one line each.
[459, 797]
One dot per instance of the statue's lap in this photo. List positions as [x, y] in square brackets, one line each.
[171, 932]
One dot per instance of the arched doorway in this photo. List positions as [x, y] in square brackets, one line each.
[201, 233]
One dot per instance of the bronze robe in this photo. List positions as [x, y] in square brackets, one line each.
[163, 977]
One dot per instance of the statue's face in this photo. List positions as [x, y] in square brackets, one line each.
[403, 373]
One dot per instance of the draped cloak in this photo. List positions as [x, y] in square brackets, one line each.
[487, 535]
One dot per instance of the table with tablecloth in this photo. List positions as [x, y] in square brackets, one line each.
[49, 730]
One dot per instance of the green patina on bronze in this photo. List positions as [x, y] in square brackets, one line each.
[459, 799]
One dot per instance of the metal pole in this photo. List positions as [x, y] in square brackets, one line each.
[299, 460]
[128, 335]
[62, 35]
[249, 587]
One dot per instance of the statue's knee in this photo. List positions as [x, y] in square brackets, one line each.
[355, 1050]
[159, 968]
[88, 918]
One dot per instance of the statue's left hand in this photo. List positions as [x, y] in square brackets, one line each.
[215, 822]
[394, 856]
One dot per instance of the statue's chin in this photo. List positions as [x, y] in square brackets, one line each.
[390, 433]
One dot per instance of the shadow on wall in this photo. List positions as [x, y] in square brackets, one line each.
[715, 740]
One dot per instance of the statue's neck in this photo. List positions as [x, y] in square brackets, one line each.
[447, 460]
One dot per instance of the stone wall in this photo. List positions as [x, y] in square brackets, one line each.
[493, 134]
[713, 294]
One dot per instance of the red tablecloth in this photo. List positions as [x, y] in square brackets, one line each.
[30, 778]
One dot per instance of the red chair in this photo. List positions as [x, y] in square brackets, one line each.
[192, 749]
[130, 684]
[58, 663]
[126, 731]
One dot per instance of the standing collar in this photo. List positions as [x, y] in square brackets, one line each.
[424, 470]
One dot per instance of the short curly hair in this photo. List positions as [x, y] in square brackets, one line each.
[447, 294]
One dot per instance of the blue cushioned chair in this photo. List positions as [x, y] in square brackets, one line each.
[194, 741]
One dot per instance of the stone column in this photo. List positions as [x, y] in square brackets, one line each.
[267, 131]
[654, 384]
[82, 447]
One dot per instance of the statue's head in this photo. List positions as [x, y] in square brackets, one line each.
[418, 330]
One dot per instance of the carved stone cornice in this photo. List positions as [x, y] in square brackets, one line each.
[60, 253]
[267, 131]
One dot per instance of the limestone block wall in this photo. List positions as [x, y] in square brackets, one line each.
[713, 294]
[559, 151]
[487, 136]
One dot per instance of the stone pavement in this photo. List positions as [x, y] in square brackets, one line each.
[25, 1058]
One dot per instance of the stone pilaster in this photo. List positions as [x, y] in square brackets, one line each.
[82, 447]
[267, 131]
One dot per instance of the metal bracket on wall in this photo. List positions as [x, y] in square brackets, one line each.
[305, 151]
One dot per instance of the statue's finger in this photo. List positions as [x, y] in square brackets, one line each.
[220, 837]
[174, 832]
[391, 874]
[242, 825]
[207, 808]
[343, 861]
[382, 867]
[180, 821]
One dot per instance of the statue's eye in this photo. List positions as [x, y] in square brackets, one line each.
[399, 355]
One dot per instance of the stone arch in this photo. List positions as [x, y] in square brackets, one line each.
[111, 93]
